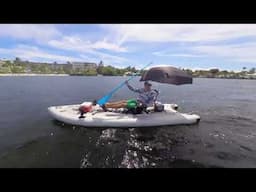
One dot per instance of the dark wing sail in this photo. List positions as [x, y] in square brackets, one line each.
[170, 75]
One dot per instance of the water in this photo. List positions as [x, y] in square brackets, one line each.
[29, 137]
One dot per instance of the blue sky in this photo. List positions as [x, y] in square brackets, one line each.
[194, 46]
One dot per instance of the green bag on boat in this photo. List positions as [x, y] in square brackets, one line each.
[131, 104]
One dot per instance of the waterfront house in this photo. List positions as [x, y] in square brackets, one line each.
[83, 66]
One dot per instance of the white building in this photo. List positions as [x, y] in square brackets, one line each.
[83, 66]
[251, 75]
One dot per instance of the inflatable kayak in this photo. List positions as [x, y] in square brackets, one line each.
[170, 116]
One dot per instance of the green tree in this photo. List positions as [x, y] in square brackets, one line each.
[35, 68]
[17, 60]
[90, 72]
[133, 69]
[119, 72]
[109, 70]
[7, 64]
[17, 69]
[41, 69]
[214, 71]
[188, 71]
[60, 70]
[100, 67]
[101, 64]
[5, 69]
[128, 68]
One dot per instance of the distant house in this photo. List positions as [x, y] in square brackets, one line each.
[55, 66]
[27, 70]
[251, 76]
[128, 73]
[83, 66]
[67, 67]
[91, 65]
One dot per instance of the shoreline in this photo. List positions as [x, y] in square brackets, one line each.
[65, 75]
[30, 74]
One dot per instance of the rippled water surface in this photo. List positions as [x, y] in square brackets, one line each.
[29, 137]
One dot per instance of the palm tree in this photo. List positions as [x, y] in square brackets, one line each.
[17, 59]
[252, 70]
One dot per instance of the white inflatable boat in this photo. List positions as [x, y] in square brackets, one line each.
[170, 116]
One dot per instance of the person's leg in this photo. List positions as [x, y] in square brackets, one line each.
[116, 105]
[120, 102]
[116, 102]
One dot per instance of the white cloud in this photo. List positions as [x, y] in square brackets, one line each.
[33, 53]
[237, 52]
[49, 34]
[76, 43]
[179, 32]
[86, 48]
[38, 32]
[106, 58]
[70, 43]
[159, 65]
[199, 36]
[166, 54]
[108, 46]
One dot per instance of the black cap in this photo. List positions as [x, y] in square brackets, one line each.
[147, 83]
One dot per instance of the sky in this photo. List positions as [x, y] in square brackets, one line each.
[193, 46]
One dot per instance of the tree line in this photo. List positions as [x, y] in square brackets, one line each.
[216, 73]
[19, 66]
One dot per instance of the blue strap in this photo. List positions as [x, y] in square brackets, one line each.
[106, 98]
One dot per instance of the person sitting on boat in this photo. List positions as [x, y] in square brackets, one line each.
[146, 98]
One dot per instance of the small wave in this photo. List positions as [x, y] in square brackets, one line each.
[24, 145]
[246, 148]
[108, 136]
[225, 156]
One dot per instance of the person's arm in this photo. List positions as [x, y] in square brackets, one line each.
[131, 88]
[156, 95]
